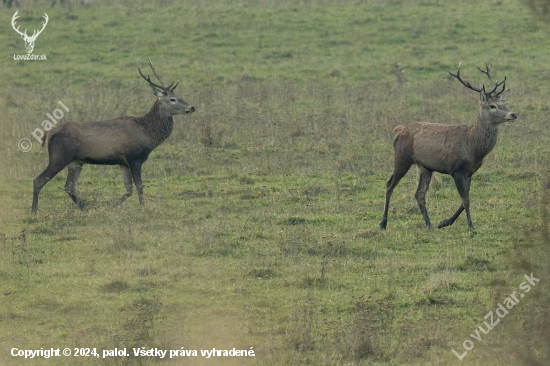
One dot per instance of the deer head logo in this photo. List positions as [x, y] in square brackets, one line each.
[29, 41]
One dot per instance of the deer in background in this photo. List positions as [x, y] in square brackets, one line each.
[69, 3]
[454, 150]
[8, 3]
[126, 141]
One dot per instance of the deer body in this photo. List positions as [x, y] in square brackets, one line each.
[115, 141]
[446, 149]
[126, 141]
[109, 142]
[455, 150]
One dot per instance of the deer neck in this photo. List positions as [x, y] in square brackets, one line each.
[483, 136]
[158, 123]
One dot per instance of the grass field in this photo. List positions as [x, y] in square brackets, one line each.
[261, 221]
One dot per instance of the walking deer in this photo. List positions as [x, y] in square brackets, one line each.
[126, 141]
[454, 150]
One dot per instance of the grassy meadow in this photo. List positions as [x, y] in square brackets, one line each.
[260, 227]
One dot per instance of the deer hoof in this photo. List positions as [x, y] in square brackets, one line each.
[443, 223]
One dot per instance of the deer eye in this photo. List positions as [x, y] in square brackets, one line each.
[173, 100]
[493, 106]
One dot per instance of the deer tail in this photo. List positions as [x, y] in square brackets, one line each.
[398, 129]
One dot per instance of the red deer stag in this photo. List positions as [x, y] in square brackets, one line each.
[454, 150]
[126, 141]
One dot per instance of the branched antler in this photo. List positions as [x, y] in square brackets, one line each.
[163, 86]
[159, 79]
[486, 72]
[465, 83]
[495, 84]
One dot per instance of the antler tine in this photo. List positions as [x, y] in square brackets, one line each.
[164, 87]
[503, 87]
[495, 84]
[172, 88]
[465, 83]
[149, 79]
[157, 75]
[488, 72]
[13, 19]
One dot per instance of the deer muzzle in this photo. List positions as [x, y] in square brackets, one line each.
[511, 116]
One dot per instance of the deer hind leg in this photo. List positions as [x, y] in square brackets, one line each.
[51, 171]
[463, 187]
[402, 166]
[127, 177]
[70, 185]
[423, 184]
[135, 168]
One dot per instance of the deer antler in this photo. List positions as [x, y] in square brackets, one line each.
[495, 84]
[149, 79]
[503, 87]
[15, 16]
[163, 86]
[486, 72]
[465, 83]
[158, 77]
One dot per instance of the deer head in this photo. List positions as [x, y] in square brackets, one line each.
[492, 101]
[169, 102]
[29, 41]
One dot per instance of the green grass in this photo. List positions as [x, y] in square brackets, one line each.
[261, 221]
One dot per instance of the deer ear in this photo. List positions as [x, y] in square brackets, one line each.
[156, 92]
[504, 95]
